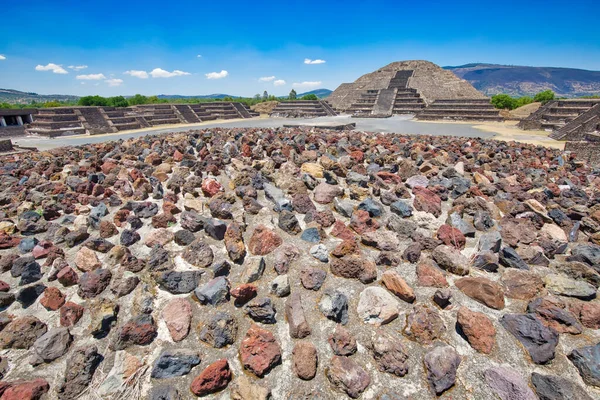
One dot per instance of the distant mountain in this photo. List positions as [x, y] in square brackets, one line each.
[201, 96]
[16, 97]
[320, 93]
[526, 81]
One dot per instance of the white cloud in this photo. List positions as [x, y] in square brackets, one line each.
[91, 77]
[199, 56]
[77, 67]
[309, 61]
[161, 73]
[279, 82]
[57, 69]
[266, 79]
[137, 74]
[307, 84]
[114, 82]
[2, 57]
[217, 75]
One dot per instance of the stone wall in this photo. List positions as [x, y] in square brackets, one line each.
[6, 145]
[585, 151]
[12, 131]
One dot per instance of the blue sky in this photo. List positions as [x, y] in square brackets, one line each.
[152, 47]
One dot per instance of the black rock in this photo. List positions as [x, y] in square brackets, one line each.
[550, 387]
[510, 259]
[539, 340]
[334, 305]
[215, 228]
[179, 282]
[184, 237]
[28, 295]
[174, 363]
[80, 369]
[129, 237]
[74, 238]
[165, 392]
[31, 273]
[587, 361]
[220, 269]
[192, 221]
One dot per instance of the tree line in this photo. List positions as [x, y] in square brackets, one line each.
[121, 101]
[506, 102]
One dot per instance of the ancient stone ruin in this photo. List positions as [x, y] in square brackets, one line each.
[97, 120]
[576, 121]
[299, 263]
[303, 109]
[412, 87]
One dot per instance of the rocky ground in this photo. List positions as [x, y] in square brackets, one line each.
[288, 264]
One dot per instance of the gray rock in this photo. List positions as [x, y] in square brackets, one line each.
[390, 354]
[215, 228]
[220, 330]
[170, 364]
[288, 222]
[294, 313]
[562, 285]
[491, 241]
[280, 286]
[343, 207]
[508, 384]
[485, 260]
[551, 387]
[401, 208]
[587, 361]
[184, 237]
[401, 226]
[261, 310]
[451, 260]
[214, 292]
[466, 228]
[348, 376]
[179, 282]
[539, 340]
[441, 364]
[164, 392]
[51, 345]
[199, 254]
[319, 252]
[254, 269]
[79, 372]
[371, 206]
[334, 305]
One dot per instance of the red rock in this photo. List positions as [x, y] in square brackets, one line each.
[483, 290]
[553, 313]
[107, 229]
[522, 285]
[215, 377]
[424, 325]
[588, 313]
[244, 293]
[361, 222]
[121, 217]
[430, 276]
[478, 329]
[107, 167]
[389, 177]
[211, 187]
[42, 249]
[177, 156]
[304, 358]
[398, 286]
[354, 267]
[26, 390]
[263, 241]
[348, 376]
[341, 231]
[178, 318]
[234, 242]
[67, 276]
[7, 241]
[345, 248]
[451, 236]
[52, 299]
[259, 352]
[342, 342]
[426, 200]
[4, 287]
[70, 313]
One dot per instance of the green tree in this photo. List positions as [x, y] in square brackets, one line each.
[523, 101]
[118, 101]
[310, 97]
[544, 97]
[153, 100]
[5, 105]
[503, 101]
[137, 99]
[265, 95]
[98, 101]
[50, 104]
[293, 95]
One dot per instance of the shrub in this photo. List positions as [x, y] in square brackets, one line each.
[503, 101]
[545, 96]
[118, 101]
[310, 97]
